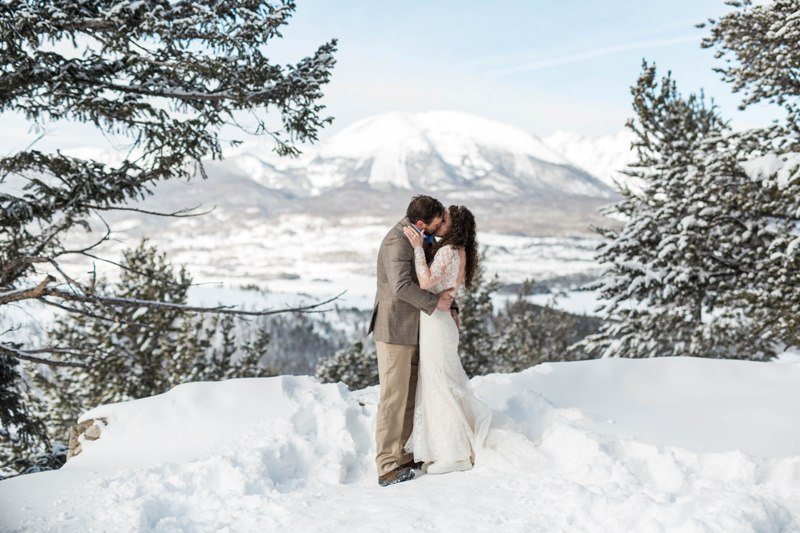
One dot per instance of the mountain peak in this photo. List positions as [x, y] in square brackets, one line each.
[454, 133]
[440, 151]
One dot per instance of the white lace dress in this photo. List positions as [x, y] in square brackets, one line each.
[450, 422]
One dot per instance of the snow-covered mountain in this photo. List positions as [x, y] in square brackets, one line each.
[603, 157]
[661, 444]
[445, 152]
[438, 152]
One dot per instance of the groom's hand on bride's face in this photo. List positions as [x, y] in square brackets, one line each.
[445, 299]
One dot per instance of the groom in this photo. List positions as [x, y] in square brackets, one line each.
[395, 328]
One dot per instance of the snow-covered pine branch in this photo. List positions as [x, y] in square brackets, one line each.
[758, 44]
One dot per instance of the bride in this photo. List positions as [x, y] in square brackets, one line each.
[450, 422]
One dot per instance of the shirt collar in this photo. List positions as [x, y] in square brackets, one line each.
[430, 239]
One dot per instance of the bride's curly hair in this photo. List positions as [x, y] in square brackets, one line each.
[461, 234]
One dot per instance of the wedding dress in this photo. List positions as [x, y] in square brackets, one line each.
[450, 422]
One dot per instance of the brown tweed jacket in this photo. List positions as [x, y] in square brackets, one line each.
[395, 315]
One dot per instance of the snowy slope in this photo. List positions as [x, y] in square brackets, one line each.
[671, 444]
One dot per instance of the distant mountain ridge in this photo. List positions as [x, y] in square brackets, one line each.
[512, 180]
[439, 152]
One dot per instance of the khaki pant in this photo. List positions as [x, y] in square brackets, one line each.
[397, 372]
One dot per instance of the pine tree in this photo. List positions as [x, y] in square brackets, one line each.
[253, 361]
[28, 460]
[297, 341]
[21, 429]
[163, 77]
[476, 311]
[209, 349]
[130, 351]
[222, 357]
[529, 334]
[758, 45]
[194, 340]
[755, 281]
[663, 276]
[352, 366]
[143, 351]
[708, 262]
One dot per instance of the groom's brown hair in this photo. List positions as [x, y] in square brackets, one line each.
[424, 208]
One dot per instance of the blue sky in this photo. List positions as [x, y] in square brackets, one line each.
[540, 65]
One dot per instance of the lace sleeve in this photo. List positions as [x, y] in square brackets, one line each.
[443, 267]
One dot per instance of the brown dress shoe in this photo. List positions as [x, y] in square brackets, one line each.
[398, 475]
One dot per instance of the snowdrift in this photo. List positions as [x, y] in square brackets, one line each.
[672, 444]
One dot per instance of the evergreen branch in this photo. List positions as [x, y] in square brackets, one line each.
[779, 216]
[188, 96]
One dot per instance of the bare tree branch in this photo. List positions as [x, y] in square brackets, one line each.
[12, 328]
[26, 293]
[78, 311]
[177, 214]
[226, 310]
[26, 355]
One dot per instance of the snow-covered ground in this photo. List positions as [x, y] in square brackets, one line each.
[669, 444]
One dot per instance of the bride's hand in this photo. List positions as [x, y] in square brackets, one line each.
[414, 237]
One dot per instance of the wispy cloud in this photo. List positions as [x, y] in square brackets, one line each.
[595, 53]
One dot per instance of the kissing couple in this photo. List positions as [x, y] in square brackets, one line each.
[428, 417]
